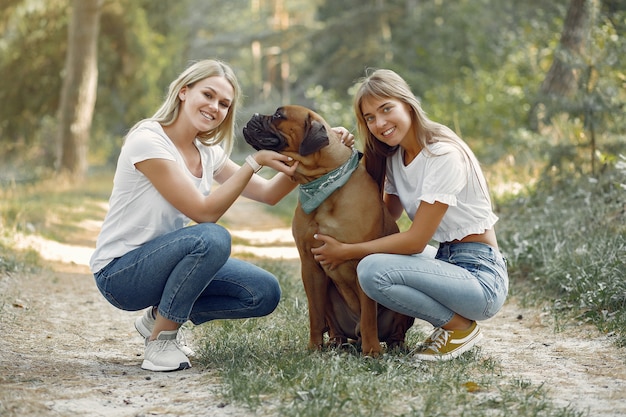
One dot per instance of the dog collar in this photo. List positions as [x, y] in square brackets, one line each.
[313, 193]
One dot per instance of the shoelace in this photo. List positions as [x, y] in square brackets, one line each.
[163, 345]
[436, 340]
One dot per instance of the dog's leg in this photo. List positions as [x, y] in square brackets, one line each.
[315, 284]
[369, 325]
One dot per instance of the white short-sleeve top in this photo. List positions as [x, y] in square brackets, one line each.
[442, 174]
[137, 211]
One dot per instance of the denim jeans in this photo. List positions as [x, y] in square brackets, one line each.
[469, 279]
[189, 275]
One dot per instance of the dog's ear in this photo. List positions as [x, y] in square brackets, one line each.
[315, 139]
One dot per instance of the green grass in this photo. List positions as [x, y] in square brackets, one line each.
[53, 209]
[12, 261]
[566, 246]
[265, 366]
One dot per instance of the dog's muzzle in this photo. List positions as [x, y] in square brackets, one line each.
[260, 134]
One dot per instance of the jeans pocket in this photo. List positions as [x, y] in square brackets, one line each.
[472, 261]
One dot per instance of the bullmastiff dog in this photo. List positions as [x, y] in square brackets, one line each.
[337, 197]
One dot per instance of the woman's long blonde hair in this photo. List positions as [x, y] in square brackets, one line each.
[386, 84]
[168, 112]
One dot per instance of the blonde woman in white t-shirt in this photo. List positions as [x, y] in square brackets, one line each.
[147, 255]
[426, 170]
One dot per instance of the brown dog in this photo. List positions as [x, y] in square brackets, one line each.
[337, 198]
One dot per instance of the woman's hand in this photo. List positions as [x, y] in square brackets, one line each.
[276, 161]
[332, 252]
[346, 137]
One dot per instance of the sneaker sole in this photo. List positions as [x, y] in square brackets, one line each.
[149, 366]
[455, 354]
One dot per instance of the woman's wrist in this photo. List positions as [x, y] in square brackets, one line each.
[256, 167]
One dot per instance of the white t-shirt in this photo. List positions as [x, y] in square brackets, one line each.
[137, 211]
[442, 175]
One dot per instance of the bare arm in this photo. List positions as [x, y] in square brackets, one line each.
[414, 240]
[275, 189]
[174, 185]
[268, 191]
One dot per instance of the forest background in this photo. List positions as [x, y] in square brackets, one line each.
[536, 88]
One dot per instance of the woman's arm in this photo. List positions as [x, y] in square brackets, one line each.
[174, 185]
[268, 191]
[414, 240]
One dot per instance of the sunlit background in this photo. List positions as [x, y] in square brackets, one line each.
[487, 68]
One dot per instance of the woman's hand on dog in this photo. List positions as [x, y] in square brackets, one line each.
[345, 136]
[332, 252]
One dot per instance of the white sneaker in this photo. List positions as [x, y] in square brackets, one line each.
[164, 354]
[145, 323]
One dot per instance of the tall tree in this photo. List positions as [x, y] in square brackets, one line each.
[78, 94]
[561, 81]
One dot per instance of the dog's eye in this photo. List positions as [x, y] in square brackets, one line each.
[277, 115]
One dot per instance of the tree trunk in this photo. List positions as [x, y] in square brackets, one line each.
[562, 78]
[78, 93]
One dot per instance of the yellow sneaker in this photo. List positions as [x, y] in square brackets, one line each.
[445, 344]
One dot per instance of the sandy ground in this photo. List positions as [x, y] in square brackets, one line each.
[66, 352]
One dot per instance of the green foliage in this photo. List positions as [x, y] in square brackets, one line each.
[141, 48]
[32, 54]
[477, 67]
[336, 110]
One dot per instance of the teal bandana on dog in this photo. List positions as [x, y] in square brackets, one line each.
[313, 193]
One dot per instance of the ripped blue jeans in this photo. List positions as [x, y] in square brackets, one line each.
[469, 279]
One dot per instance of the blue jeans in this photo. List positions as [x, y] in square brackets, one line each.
[189, 275]
[469, 279]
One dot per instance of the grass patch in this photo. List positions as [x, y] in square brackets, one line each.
[566, 245]
[266, 367]
[12, 261]
[53, 209]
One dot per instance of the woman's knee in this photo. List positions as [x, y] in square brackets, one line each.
[367, 273]
[268, 304]
[215, 239]
[263, 300]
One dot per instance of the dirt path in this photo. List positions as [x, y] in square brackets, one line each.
[68, 352]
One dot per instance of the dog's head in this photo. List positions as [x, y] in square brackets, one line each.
[290, 129]
[300, 133]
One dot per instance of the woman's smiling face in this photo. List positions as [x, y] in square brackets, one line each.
[388, 119]
[207, 102]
